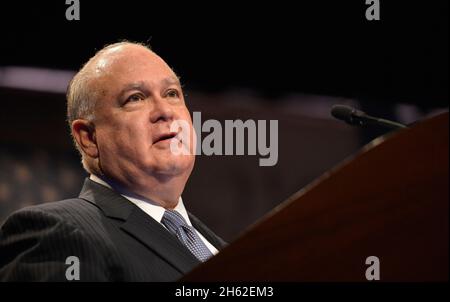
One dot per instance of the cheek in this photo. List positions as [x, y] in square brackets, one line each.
[125, 136]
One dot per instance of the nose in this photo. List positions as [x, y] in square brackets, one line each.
[161, 111]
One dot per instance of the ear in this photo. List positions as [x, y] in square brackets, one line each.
[84, 133]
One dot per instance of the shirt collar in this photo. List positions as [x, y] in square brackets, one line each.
[151, 208]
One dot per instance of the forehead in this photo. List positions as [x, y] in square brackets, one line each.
[123, 65]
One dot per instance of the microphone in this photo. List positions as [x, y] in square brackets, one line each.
[357, 117]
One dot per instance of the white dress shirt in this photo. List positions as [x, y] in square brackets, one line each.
[156, 211]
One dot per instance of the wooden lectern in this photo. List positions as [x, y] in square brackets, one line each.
[390, 201]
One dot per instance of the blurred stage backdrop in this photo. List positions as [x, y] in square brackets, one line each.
[236, 63]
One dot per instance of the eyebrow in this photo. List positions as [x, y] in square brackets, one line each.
[143, 86]
[172, 81]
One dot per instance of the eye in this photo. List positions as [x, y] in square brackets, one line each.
[173, 93]
[135, 97]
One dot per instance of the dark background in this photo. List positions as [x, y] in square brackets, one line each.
[280, 60]
[325, 47]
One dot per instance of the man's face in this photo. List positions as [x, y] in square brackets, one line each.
[139, 97]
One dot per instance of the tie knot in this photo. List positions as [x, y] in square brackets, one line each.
[176, 224]
[173, 220]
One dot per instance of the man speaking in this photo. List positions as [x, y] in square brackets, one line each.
[129, 222]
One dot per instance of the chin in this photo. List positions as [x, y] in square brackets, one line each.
[172, 168]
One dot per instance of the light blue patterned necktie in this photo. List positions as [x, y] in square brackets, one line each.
[176, 224]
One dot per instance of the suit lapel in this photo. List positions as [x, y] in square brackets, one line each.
[156, 237]
[207, 233]
[139, 225]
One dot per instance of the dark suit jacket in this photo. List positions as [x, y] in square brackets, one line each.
[113, 239]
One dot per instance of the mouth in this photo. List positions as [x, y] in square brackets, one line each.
[165, 137]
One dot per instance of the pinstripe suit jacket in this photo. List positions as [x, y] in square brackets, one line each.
[113, 239]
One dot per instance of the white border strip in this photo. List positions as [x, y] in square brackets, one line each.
[36, 79]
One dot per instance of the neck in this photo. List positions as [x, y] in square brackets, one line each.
[164, 191]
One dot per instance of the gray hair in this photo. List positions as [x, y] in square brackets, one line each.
[82, 97]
